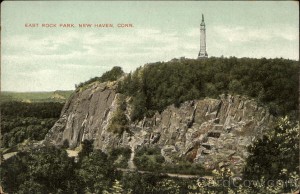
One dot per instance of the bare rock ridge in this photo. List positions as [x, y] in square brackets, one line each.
[84, 116]
[213, 132]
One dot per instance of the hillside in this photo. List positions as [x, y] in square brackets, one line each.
[204, 131]
[219, 118]
[31, 97]
[272, 82]
[113, 113]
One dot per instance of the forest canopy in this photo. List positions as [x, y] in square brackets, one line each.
[272, 82]
[112, 75]
[21, 121]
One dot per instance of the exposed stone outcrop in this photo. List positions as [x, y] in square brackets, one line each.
[214, 132]
[84, 116]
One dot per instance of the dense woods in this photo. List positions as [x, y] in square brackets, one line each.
[273, 82]
[50, 170]
[21, 121]
[38, 110]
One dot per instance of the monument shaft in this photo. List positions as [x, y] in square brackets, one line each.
[202, 52]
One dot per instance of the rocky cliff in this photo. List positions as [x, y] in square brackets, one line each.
[85, 115]
[213, 132]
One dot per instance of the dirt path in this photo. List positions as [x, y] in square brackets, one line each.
[8, 155]
[185, 176]
[72, 153]
[131, 164]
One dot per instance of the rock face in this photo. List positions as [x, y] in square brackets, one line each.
[213, 132]
[84, 116]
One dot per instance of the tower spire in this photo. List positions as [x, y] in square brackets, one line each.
[202, 53]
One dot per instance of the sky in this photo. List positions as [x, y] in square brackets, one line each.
[57, 58]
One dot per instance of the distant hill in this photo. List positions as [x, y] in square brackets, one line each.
[52, 96]
[272, 82]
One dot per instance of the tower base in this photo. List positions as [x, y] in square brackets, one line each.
[202, 55]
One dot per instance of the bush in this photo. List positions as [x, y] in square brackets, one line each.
[95, 173]
[120, 156]
[276, 152]
[119, 122]
[112, 75]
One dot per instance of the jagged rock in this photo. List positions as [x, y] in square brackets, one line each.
[85, 116]
[223, 164]
[154, 138]
[207, 145]
[209, 131]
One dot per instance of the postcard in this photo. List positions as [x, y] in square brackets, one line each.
[149, 97]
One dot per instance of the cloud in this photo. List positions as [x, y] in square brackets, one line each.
[82, 55]
[244, 41]
[75, 56]
[248, 34]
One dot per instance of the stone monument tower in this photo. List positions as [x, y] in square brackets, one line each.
[202, 53]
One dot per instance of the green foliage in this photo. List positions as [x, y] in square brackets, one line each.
[147, 151]
[120, 157]
[276, 152]
[117, 188]
[43, 170]
[14, 171]
[37, 110]
[112, 75]
[50, 166]
[185, 167]
[273, 82]
[150, 159]
[224, 182]
[16, 130]
[139, 107]
[50, 170]
[21, 121]
[140, 183]
[95, 172]
[86, 148]
[65, 144]
[119, 122]
[154, 183]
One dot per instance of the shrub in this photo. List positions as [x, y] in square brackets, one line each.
[112, 75]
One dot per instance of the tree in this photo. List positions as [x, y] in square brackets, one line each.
[51, 167]
[112, 75]
[117, 187]
[273, 82]
[95, 172]
[44, 170]
[86, 148]
[119, 121]
[14, 172]
[275, 153]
